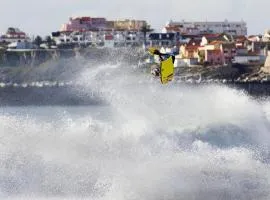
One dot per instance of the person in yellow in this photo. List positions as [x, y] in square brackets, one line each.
[166, 65]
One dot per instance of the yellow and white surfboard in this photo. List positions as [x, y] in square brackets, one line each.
[166, 70]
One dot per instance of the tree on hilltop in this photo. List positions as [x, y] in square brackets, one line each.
[49, 40]
[38, 41]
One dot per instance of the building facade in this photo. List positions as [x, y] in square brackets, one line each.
[83, 24]
[90, 23]
[185, 27]
[128, 24]
[163, 39]
[14, 35]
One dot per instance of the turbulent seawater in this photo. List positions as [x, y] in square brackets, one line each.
[146, 141]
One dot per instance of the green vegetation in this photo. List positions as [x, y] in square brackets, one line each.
[38, 41]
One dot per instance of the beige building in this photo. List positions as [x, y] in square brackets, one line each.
[128, 24]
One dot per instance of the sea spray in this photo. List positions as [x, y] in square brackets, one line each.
[148, 141]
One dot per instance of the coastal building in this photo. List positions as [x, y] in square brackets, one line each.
[128, 24]
[14, 35]
[83, 24]
[229, 52]
[254, 38]
[108, 40]
[163, 39]
[249, 59]
[214, 57]
[186, 38]
[195, 28]
[211, 56]
[240, 41]
[89, 30]
[208, 38]
[266, 36]
[100, 23]
[253, 52]
[190, 50]
[21, 45]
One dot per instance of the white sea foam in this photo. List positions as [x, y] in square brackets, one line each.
[151, 141]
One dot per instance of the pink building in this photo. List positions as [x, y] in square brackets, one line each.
[84, 24]
[218, 52]
[215, 56]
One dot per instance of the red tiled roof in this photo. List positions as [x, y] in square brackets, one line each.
[176, 29]
[215, 42]
[85, 18]
[214, 51]
[194, 42]
[240, 38]
[108, 37]
[192, 47]
[211, 35]
[16, 33]
[98, 18]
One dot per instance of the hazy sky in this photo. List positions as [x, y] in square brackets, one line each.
[44, 16]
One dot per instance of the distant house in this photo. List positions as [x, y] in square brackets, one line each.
[193, 27]
[189, 50]
[217, 52]
[108, 41]
[208, 38]
[249, 59]
[21, 45]
[14, 35]
[163, 39]
[259, 46]
[266, 36]
[240, 51]
[84, 24]
[240, 41]
[229, 52]
[214, 56]
[186, 38]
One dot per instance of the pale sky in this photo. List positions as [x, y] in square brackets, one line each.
[44, 16]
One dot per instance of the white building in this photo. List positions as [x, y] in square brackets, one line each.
[14, 35]
[21, 45]
[248, 59]
[194, 28]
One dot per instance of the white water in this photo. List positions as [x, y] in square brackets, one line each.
[150, 142]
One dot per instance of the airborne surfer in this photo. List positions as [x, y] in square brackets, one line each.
[168, 66]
